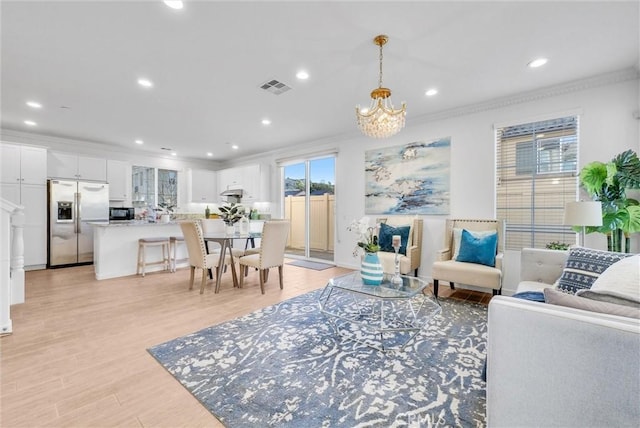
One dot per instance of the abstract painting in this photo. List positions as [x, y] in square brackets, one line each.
[409, 179]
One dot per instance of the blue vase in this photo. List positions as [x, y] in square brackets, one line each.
[371, 269]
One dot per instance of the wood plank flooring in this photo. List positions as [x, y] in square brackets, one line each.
[77, 356]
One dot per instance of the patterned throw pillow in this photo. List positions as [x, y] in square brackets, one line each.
[584, 266]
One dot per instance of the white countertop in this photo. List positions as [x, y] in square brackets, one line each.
[129, 223]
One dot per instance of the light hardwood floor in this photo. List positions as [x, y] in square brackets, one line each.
[77, 355]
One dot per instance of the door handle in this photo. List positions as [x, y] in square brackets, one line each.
[78, 212]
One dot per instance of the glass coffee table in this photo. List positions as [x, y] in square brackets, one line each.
[385, 317]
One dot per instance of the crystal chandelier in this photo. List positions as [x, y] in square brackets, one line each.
[381, 120]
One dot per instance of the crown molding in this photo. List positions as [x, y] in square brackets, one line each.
[71, 145]
[535, 95]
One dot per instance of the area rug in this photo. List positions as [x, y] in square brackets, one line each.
[285, 366]
[310, 265]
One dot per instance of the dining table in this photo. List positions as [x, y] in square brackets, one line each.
[226, 243]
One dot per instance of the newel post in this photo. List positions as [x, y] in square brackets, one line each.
[17, 256]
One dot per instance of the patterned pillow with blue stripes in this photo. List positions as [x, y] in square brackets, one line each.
[584, 266]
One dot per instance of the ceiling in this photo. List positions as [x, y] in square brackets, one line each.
[82, 60]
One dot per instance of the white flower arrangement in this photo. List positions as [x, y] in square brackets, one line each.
[367, 236]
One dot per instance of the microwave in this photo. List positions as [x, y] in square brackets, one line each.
[120, 213]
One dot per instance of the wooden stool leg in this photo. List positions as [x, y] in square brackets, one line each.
[144, 258]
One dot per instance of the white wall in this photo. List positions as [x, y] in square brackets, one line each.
[607, 127]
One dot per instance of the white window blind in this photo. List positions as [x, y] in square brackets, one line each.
[536, 174]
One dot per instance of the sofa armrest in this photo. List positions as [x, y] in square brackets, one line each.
[541, 356]
[443, 255]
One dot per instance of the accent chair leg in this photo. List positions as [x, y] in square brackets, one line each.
[435, 287]
[280, 273]
[452, 285]
[416, 273]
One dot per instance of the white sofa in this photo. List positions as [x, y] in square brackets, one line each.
[556, 366]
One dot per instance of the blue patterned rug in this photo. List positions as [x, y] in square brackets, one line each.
[284, 366]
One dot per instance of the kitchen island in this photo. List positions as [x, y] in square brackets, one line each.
[115, 247]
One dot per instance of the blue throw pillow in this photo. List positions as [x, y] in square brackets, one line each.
[385, 237]
[481, 250]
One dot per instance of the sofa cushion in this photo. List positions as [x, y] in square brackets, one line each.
[475, 249]
[559, 298]
[385, 237]
[584, 266]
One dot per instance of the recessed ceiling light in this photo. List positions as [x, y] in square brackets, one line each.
[139, 142]
[431, 92]
[209, 154]
[34, 104]
[235, 147]
[174, 154]
[302, 75]
[266, 122]
[30, 123]
[176, 4]
[538, 62]
[145, 83]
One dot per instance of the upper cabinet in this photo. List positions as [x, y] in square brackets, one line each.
[72, 166]
[204, 186]
[252, 179]
[23, 164]
[119, 179]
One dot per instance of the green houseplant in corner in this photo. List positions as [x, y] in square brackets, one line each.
[608, 183]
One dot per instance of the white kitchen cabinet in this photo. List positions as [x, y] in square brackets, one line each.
[119, 179]
[23, 164]
[75, 167]
[252, 179]
[204, 186]
[24, 182]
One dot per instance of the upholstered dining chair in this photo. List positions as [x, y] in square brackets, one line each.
[198, 257]
[472, 254]
[271, 252]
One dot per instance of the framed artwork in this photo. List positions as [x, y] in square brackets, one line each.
[409, 179]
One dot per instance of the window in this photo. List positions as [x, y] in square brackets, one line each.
[536, 174]
[147, 194]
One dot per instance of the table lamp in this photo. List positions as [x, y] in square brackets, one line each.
[583, 213]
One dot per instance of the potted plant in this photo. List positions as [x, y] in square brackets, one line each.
[608, 183]
[231, 213]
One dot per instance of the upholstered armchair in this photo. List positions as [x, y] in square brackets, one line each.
[479, 268]
[409, 262]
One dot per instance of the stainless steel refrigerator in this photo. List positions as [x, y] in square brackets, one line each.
[72, 205]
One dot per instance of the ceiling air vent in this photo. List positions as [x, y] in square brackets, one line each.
[275, 87]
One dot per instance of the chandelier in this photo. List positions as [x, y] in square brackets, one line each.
[381, 120]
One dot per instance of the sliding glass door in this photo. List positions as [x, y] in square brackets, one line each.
[308, 201]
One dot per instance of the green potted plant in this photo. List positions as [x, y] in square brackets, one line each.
[608, 183]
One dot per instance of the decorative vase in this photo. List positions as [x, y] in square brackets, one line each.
[229, 229]
[371, 269]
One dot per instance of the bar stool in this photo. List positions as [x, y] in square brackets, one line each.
[173, 247]
[143, 243]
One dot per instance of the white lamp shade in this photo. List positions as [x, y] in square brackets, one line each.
[583, 213]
